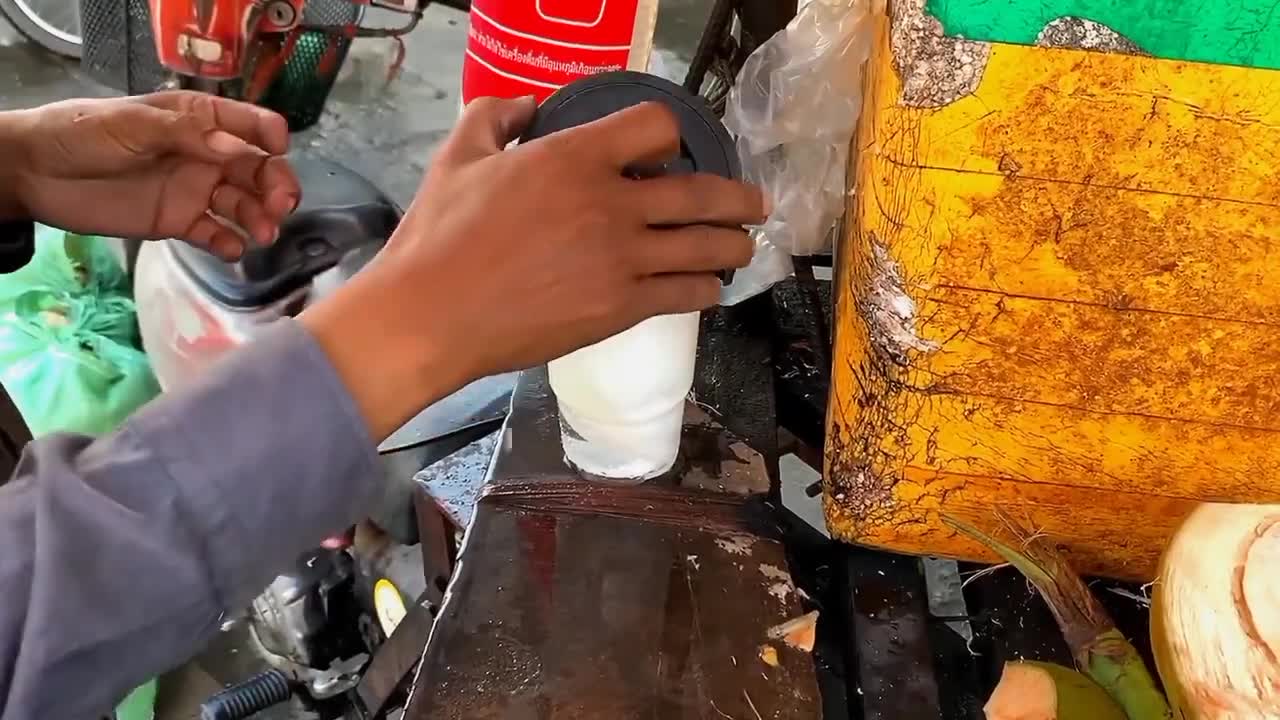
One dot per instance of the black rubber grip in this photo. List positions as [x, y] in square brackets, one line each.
[252, 696]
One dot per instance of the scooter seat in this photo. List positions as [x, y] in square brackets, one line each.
[340, 212]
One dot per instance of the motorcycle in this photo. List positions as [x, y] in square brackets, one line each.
[52, 24]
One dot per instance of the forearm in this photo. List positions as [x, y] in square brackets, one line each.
[123, 553]
[395, 359]
[13, 151]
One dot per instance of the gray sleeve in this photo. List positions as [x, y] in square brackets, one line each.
[119, 555]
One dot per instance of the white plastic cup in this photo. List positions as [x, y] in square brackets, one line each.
[622, 399]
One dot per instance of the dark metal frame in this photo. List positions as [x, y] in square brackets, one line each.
[720, 54]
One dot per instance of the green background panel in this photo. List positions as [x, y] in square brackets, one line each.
[1230, 32]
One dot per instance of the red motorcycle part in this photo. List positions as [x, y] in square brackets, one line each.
[280, 16]
[210, 39]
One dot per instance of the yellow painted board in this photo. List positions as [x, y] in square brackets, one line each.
[1105, 120]
[1067, 241]
[1057, 512]
[1165, 367]
[1039, 444]
[1059, 296]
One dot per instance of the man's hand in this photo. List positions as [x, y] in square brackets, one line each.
[176, 164]
[508, 259]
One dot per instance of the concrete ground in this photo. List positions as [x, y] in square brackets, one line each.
[388, 135]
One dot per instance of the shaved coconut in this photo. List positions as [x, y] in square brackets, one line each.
[1215, 616]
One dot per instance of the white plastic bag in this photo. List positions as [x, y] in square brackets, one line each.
[793, 111]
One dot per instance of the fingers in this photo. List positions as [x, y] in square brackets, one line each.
[644, 134]
[257, 188]
[486, 126]
[700, 198]
[214, 236]
[245, 211]
[270, 179]
[679, 293]
[259, 192]
[677, 266]
[693, 249]
[147, 132]
[222, 119]
[194, 126]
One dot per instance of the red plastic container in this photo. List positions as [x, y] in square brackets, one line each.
[533, 47]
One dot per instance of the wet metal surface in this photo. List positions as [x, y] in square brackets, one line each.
[710, 459]
[890, 631]
[455, 482]
[580, 599]
[589, 616]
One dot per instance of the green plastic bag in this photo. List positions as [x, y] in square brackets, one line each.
[69, 354]
[69, 341]
[140, 704]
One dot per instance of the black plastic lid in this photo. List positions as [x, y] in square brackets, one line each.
[705, 144]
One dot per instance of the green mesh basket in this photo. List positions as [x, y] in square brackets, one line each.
[300, 90]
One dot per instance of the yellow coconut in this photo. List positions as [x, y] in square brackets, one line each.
[1215, 615]
[1044, 691]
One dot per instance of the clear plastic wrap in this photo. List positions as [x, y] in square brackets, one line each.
[793, 111]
